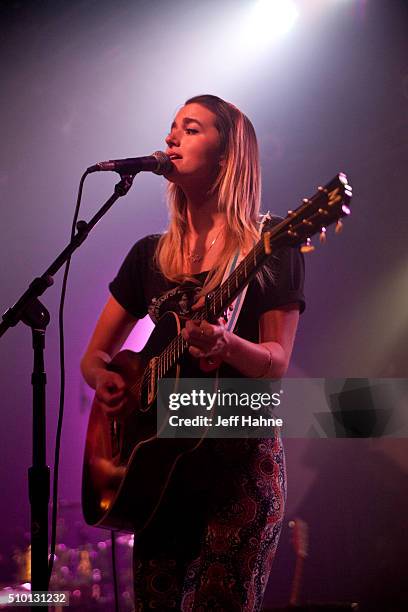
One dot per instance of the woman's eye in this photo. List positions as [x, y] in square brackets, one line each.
[191, 131]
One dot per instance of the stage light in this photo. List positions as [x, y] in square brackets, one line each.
[270, 19]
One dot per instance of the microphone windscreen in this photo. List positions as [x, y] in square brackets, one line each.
[164, 162]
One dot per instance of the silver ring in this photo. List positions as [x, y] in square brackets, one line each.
[202, 332]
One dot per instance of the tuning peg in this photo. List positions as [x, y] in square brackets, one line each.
[339, 227]
[292, 233]
[308, 247]
[322, 236]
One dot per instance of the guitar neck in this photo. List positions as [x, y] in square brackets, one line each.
[225, 294]
[278, 235]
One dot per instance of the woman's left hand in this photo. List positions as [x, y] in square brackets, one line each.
[206, 340]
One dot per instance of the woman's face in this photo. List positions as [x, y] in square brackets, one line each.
[193, 145]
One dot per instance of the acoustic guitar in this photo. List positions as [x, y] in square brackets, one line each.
[127, 467]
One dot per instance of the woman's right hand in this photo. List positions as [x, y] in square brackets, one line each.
[110, 391]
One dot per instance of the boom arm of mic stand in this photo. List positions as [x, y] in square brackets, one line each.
[40, 284]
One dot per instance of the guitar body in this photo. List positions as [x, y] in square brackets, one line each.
[126, 467]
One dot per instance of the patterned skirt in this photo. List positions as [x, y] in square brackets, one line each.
[213, 540]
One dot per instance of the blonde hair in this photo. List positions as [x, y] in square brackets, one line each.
[238, 186]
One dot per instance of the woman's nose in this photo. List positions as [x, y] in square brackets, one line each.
[172, 139]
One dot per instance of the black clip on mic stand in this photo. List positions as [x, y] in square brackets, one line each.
[30, 311]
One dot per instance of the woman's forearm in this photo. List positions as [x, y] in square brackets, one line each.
[265, 360]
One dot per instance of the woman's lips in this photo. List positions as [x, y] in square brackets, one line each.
[173, 155]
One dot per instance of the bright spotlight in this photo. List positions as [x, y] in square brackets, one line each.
[272, 18]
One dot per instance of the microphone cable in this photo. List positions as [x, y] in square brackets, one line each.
[62, 387]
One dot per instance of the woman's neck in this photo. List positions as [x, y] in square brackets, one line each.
[203, 214]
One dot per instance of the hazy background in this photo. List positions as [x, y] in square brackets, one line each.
[90, 80]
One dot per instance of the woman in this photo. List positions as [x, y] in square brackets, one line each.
[213, 540]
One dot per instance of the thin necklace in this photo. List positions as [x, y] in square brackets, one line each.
[195, 258]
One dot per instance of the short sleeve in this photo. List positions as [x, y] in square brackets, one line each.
[128, 285]
[285, 285]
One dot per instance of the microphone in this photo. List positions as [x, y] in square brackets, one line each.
[158, 162]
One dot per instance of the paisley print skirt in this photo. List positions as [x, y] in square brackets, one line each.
[213, 540]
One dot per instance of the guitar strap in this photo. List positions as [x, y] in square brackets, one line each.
[235, 307]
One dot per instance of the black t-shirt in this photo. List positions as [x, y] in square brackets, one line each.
[140, 288]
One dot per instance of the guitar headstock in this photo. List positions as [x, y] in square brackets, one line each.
[327, 206]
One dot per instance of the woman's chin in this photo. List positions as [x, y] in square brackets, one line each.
[174, 176]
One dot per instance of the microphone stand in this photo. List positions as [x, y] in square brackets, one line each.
[30, 311]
